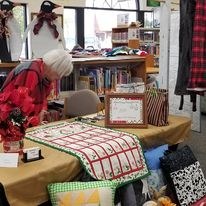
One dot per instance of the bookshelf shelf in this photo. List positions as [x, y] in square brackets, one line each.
[8, 65]
[125, 36]
[128, 67]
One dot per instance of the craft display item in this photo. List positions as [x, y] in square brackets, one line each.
[184, 173]
[157, 106]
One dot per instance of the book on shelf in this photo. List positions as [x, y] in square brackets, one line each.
[66, 83]
[156, 37]
[148, 36]
[102, 80]
[123, 76]
[97, 74]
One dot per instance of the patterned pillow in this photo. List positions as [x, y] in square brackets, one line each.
[156, 179]
[183, 172]
[82, 193]
[189, 183]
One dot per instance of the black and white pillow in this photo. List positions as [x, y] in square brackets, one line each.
[190, 184]
[184, 174]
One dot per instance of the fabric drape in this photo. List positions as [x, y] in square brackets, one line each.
[187, 14]
[197, 79]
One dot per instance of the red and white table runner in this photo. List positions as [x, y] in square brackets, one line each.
[104, 153]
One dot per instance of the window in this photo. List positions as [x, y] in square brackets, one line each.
[98, 27]
[91, 27]
[70, 27]
[99, 23]
[148, 19]
[20, 15]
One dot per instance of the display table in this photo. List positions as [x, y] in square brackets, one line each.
[26, 185]
[176, 132]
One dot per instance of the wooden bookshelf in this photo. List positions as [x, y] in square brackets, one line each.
[146, 39]
[121, 37]
[152, 70]
[149, 42]
[135, 64]
[8, 66]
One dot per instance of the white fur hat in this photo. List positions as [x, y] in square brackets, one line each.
[60, 61]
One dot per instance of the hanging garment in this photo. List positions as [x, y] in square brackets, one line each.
[187, 13]
[197, 78]
[10, 33]
[4, 52]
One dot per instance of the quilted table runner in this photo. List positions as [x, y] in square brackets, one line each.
[104, 153]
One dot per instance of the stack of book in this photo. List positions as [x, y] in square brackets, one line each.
[102, 80]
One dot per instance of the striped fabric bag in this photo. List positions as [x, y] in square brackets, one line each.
[157, 106]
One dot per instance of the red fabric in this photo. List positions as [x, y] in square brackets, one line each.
[32, 78]
[49, 18]
[198, 65]
[104, 153]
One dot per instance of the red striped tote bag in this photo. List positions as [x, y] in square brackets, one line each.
[157, 106]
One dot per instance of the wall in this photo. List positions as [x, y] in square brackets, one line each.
[173, 68]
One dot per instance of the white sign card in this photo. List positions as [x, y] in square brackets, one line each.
[125, 110]
[9, 159]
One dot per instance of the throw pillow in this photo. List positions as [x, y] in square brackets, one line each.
[183, 172]
[156, 178]
[82, 193]
[153, 155]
